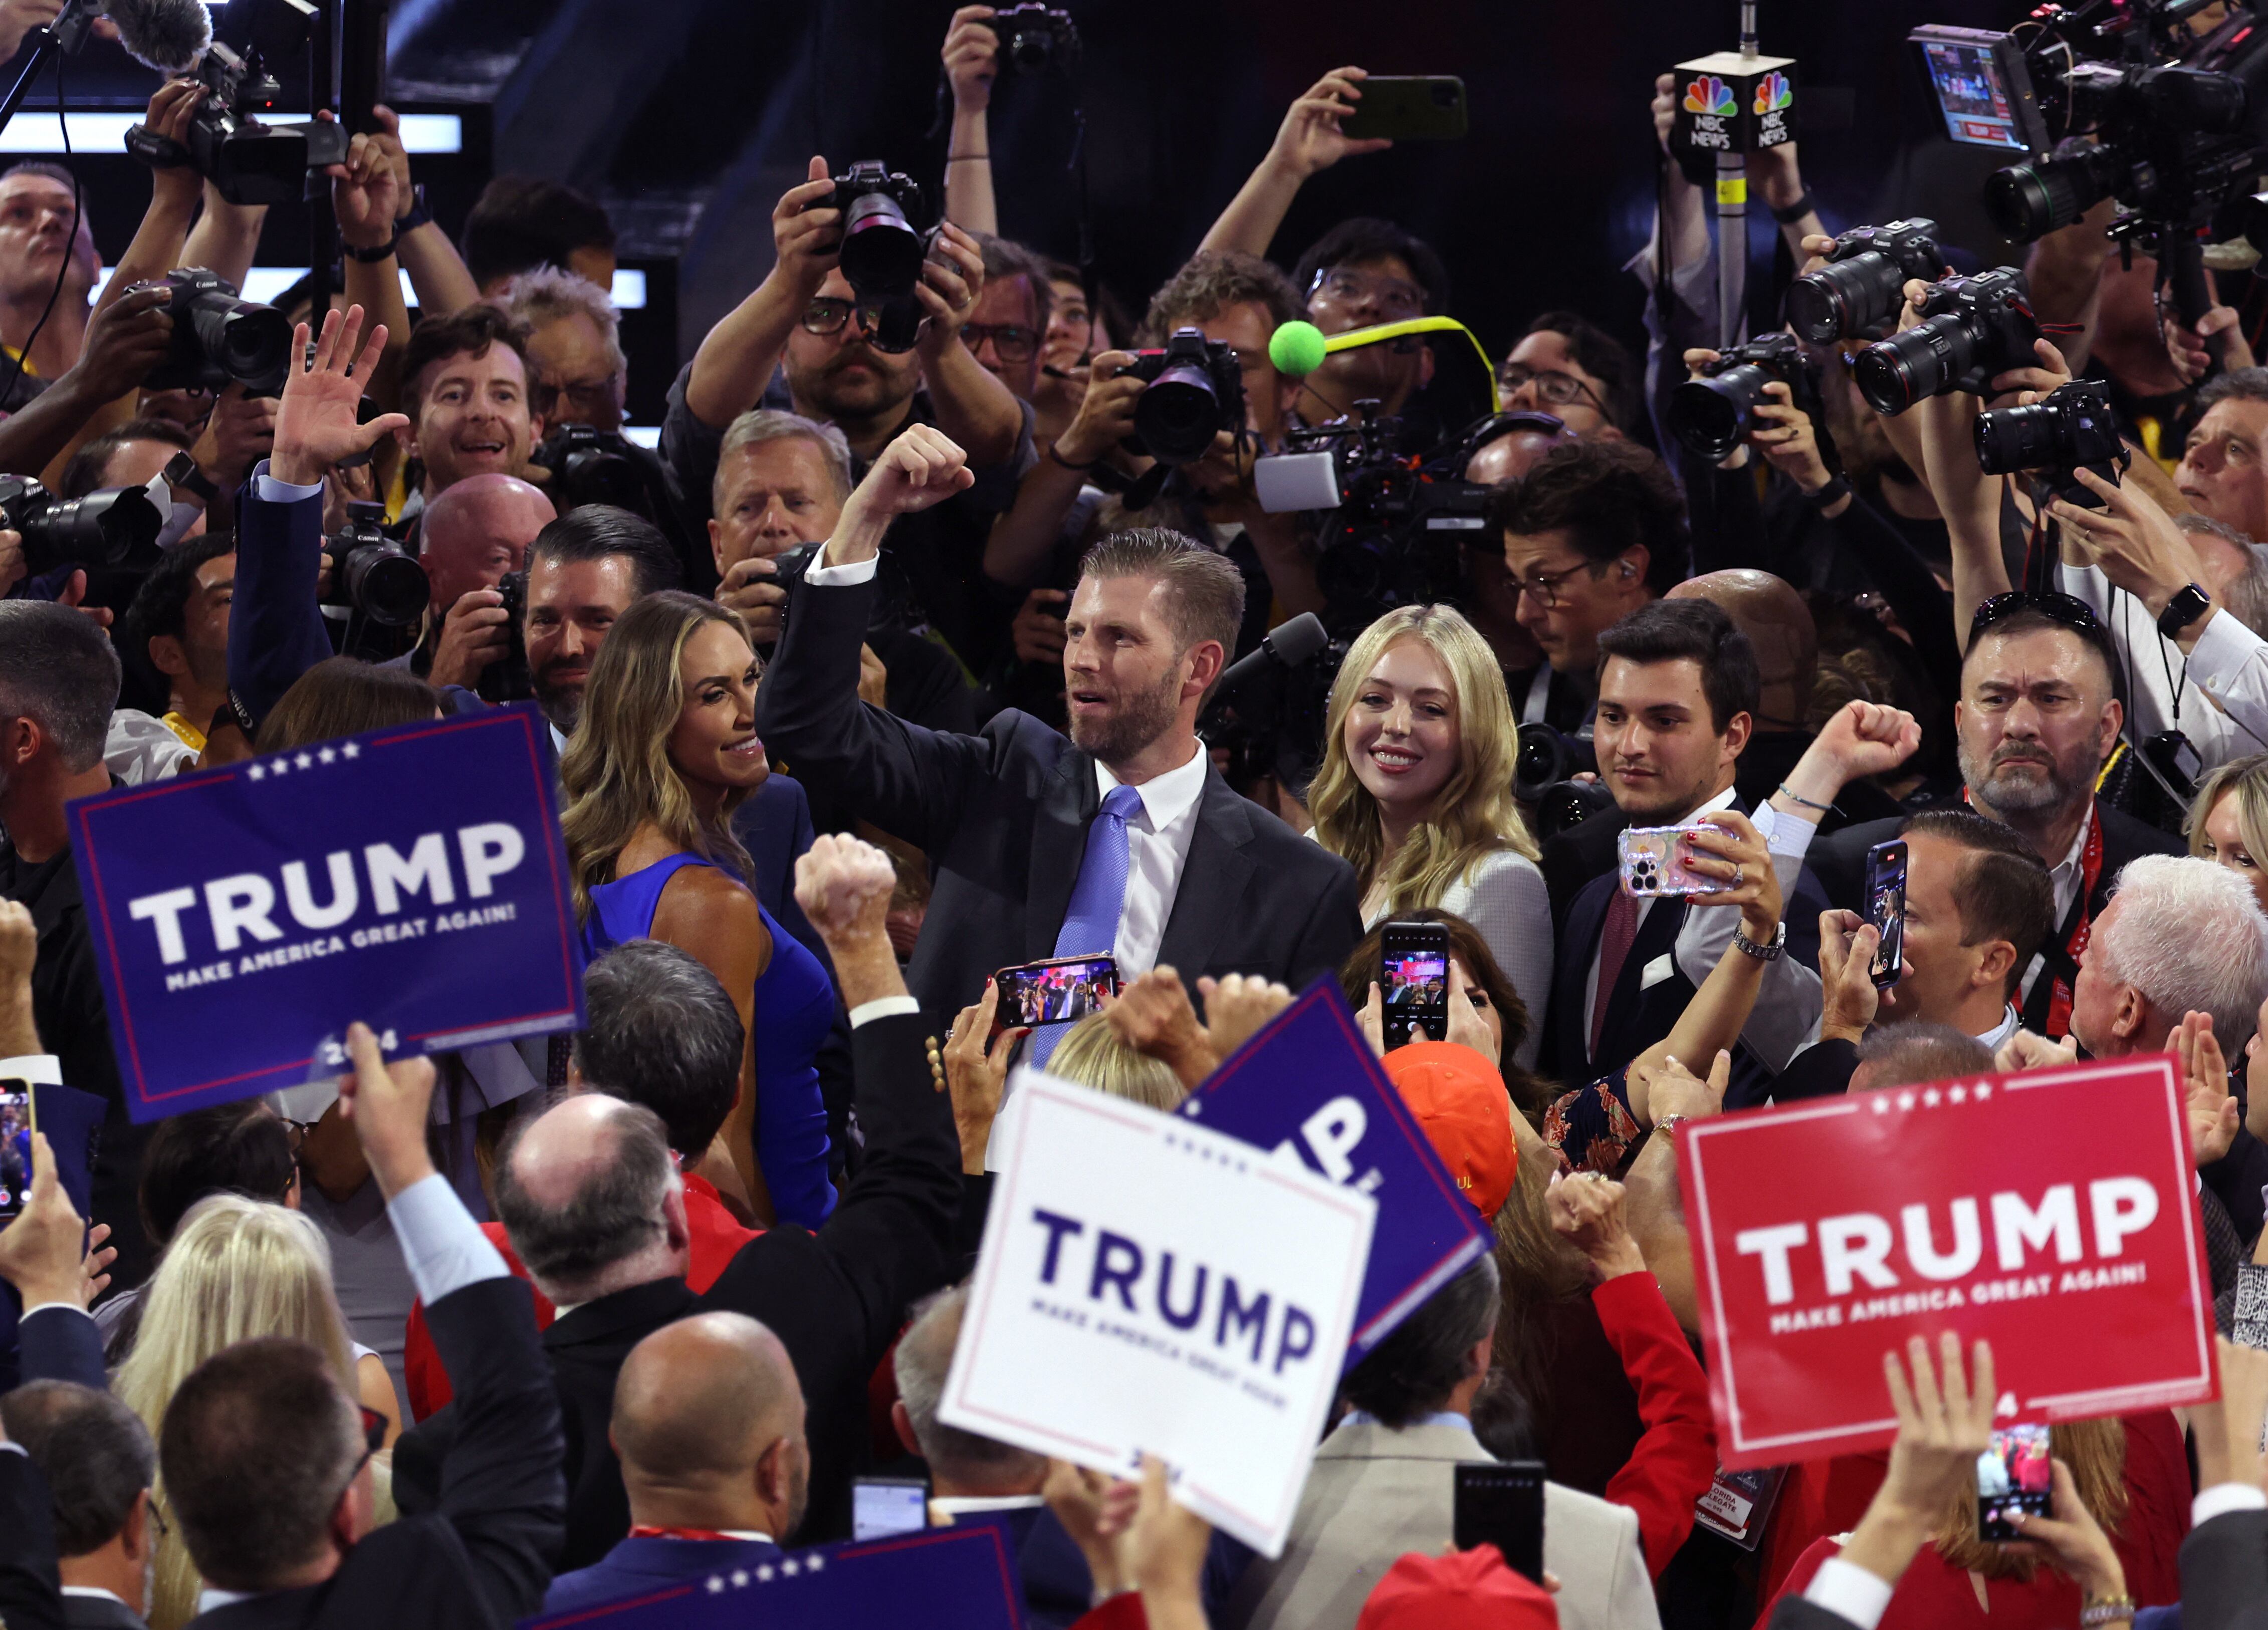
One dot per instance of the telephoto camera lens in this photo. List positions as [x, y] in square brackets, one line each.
[2027, 202]
[1177, 414]
[1710, 415]
[1922, 361]
[1843, 299]
[881, 252]
[115, 528]
[370, 572]
[251, 341]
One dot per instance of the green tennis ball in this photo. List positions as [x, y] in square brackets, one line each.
[1296, 349]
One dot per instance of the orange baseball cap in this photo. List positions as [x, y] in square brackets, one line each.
[1472, 1589]
[1460, 1099]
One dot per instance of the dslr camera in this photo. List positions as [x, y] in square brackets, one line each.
[507, 678]
[247, 160]
[2071, 428]
[219, 338]
[1971, 328]
[116, 527]
[370, 574]
[882, 250]
[1195, 390]
[1035, 38]
[1710, 415]
[1858, 293]
[592, 466]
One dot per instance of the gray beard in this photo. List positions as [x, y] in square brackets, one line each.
[2014, 795]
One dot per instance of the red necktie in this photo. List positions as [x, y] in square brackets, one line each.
[1614, 950]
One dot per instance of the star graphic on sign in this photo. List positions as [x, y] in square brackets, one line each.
[255, 772]
[278, 765]
[350, 750]
[1905, 1100]
[1881, 1103]
[815, 1563]
[788, 1567]
[305, 761]
[1958, 1094]
[325, 755]
[740, 1577]
[716, 1584]
[764, 1575]
[1929, 1099]
[1984, 1091]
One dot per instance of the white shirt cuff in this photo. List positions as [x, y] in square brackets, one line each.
[841, 577]
[70, 1306]
[2223, 646]
[1786, 836]
[1849, 1590]
[266, 487]
[882, 1008]
[42, 1069]
[2223, 1498]
[443, 1246]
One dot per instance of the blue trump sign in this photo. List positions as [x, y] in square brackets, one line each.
[1308, 1085]
[244, 916]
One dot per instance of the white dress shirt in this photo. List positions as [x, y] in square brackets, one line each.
[1157, 849]
[2065, 876]
[1785, 1019]
[2217, 696]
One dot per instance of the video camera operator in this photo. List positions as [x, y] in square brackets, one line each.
[805, 315]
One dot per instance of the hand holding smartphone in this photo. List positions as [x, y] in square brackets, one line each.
[16, 1128]
[2015, 1476]
[1500, 1503]
[1655, 862]
[1059, 991]
[1885, 909]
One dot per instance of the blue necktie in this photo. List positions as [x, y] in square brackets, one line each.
[1091, 925]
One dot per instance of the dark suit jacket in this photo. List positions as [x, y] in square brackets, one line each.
[1794, 1613]
[1635, 1019]
[274, 631]
[60, 1345]
[2225, 1573]
[774, 826]
[635, 1567]
[1003, 817]
[480, 1559]
[836, 1299]
[1822, 1070]
[1839, 863]
[31, 1591]
[1573, 857]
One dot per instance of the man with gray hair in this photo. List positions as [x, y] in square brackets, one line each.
[2180, 935]
[968, 1472]
[99, 1463]
[574, 346]
[59, 681]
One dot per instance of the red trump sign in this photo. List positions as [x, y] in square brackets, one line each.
[2052, 1213]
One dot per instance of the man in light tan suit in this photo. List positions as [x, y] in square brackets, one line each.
[1382, 1485]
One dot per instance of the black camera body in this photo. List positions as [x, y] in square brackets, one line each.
[1858, 293]
[1971, 328]
[1712, 415]
[507, 679]
[247, 160]
[219, 339]
[2071, 428]
[116, 528]
[882, 250]
[1194, 389]
[592, 466]
[371, 574]
[1035, 38]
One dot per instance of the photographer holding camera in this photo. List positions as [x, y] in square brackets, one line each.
[806, 314]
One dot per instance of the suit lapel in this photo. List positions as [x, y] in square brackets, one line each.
[1059, 822]
[1657, 936]
[1214, 879]
[1586, 918]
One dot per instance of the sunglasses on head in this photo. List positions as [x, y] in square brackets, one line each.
[2064, 608]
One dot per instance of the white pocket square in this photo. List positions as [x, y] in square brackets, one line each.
[1655, 971]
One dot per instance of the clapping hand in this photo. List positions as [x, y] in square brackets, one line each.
[2212, 1108]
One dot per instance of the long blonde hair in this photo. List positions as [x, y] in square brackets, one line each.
[2096, 1451]
[616, 770]
[2245, 779]
[1473, 815]
[237, 1268]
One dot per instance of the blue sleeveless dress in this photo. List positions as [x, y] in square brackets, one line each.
[794, 1011]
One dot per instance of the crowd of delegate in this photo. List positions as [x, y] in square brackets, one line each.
[897, 681]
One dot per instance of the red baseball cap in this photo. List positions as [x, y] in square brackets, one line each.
[1460, 1099]
[1472, 1589]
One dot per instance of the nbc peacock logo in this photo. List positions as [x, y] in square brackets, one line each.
[1772, 93]
[1709, 94]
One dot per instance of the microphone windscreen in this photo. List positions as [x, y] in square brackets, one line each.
[1299, 639]
[1296, 349]
[167, 35]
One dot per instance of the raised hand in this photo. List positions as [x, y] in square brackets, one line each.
[365, 191]
[2211, 1108]
[972, 58]
[1309, 138]
[1587, 1210]
[317, 418]
[387, 1104]
[843, 886]
[975, 1064]
[1151, 1014]
[1847, 944]
[922, 467]
[1236, 1008]
[952, 281]
[806, 232]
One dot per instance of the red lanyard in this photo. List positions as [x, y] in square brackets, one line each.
[2090, 868]
[646, 1531]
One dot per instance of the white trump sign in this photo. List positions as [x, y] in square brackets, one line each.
[1149, 1285]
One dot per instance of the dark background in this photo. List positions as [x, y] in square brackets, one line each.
[689, 117]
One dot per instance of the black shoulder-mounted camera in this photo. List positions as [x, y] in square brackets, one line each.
[1196, 389]
[1710, 415]
[1035, 38]
[2070, 429]
[247, 160]
[1858, 293]
[1971, 328]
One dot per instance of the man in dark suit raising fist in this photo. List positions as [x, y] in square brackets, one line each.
[1123, 838]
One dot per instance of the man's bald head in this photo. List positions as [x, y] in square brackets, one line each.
[589, 1194]
[476, 530]
[709, 1409]
[1778, 624]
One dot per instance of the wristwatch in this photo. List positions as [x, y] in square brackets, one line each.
[378, 252]
[417, 215]
[1769, 952]
[181, 471]
[1834, 492]
[2182, 610]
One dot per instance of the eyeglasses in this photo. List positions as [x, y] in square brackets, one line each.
[1558, 388]
[588, 395]
[1396, 298]
[1545, 585]
[296, 1133]
[1012, 341]
[373, 1438]
[2072, 613]
[827, 314]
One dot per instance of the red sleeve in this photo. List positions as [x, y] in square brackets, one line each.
[1800, 1576]
[422, 1370]
[1675, 1462]
[2158, 1495]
